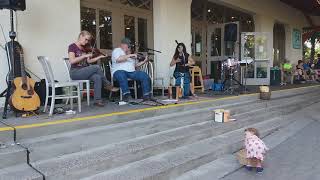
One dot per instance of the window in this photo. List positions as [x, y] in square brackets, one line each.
[196, 44]
[105, 25]
[129, 25]
[216, 39]
[142, 34]
[88, 20]
[143, 4]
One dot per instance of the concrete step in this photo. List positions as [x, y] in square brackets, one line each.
[121, 117]
[176, 130]
[12, 155]
[7, 135]
[88, 160]
[228, 164]
[136, 149]
[19, 172]
[171, 164]
[54, 146]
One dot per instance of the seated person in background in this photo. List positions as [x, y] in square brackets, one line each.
[82, 70]
[299, 73]
[317, 65]
[124, 68]
[286, 72]
[312, 73]
[307, 70]
[306, 65]
[182, 60]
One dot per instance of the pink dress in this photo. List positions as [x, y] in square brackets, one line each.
[255, 147]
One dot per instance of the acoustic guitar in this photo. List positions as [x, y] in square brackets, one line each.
[24, 98]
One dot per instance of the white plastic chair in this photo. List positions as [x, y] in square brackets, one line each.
[134, 85]
[81, 82]
[49, 77]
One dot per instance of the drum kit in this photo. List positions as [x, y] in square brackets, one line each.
[229, 72]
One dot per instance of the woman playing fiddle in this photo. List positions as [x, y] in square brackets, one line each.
[82, 70]
[182, 60]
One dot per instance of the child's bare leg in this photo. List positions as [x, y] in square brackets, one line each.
[259, 162]
[249, 164]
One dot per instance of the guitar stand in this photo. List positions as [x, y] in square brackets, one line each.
[8, 94]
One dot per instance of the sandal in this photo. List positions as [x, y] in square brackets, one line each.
[99, 104]
[259, 170]
[111, 88]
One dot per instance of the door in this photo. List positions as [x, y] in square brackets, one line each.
[256, 50]
[215, 47]
[218, 49]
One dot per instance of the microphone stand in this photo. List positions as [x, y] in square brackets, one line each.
[98, 35]
[12, 35]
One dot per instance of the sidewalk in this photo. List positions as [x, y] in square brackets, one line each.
[295, 159]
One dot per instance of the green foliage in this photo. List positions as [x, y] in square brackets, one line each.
[307, 50]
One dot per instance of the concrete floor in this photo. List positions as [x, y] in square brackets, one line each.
[112, 107]
[295, 159]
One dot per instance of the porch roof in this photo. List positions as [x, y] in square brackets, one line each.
[310, 7]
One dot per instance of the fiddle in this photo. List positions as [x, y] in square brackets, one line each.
[94, 51]
[134, 49]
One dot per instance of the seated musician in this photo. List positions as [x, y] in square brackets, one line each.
[82, 70]
[124, 68]
[183, 61]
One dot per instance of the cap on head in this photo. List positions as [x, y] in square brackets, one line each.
[126, 41]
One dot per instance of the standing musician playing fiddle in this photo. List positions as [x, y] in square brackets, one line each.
[82, 70]
[182, 60]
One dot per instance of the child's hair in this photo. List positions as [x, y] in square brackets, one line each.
[300, 61]
[253, 130]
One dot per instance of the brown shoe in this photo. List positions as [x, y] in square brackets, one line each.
[111, 88]
[99, 104]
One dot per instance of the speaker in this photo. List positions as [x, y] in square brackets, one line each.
[16, 5]
[230, 32]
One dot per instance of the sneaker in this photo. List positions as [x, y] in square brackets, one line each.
[149, 98]
[127, 98]
[259, 170]
[249, 168]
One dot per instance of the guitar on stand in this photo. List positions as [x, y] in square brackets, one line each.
[24, 97]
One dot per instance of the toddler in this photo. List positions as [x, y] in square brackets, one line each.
[255, 149]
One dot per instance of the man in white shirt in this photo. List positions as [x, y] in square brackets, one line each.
[123, 67]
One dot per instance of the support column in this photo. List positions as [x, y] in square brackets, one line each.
[172, 21]
[265, 24]
[313, 48]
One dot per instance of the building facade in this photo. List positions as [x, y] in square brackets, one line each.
[48, 27]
